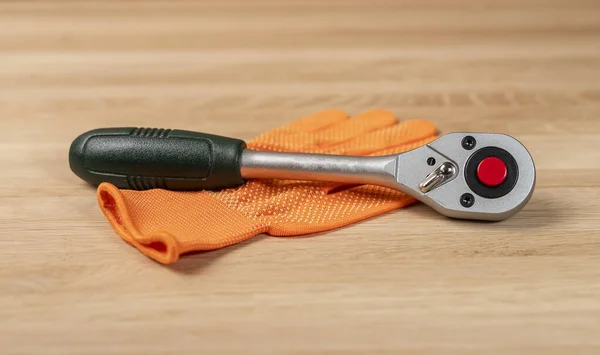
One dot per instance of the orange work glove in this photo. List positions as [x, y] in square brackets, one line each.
[166, 224]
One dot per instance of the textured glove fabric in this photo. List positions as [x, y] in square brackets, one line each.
[166, 224]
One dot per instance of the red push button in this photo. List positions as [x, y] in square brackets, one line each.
[492, 172]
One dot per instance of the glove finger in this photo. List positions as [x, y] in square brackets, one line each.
[357, 126]
[387, 138]
[299, 134]
[405, 147]
[322, 140]
[317, 121]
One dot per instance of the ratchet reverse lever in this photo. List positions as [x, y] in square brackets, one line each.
[480, 176]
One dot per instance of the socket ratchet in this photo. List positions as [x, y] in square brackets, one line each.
[481, 176]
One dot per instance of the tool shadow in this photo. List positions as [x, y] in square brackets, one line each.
[541, 212]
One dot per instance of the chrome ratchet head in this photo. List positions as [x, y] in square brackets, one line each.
[480, 176]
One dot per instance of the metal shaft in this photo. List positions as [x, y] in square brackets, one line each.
[319, 167]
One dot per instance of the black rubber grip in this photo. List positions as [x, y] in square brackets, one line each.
[148, 158]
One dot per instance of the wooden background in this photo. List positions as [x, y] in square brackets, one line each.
[409, 282]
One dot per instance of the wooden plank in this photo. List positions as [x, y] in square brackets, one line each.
[410, 281]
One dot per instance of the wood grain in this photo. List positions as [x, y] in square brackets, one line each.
[409, 282]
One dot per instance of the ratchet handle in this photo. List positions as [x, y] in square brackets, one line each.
[148, 158]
